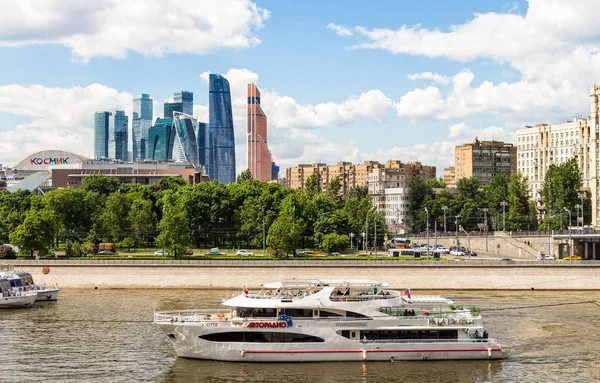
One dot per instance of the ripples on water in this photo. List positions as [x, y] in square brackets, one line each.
[108, 336]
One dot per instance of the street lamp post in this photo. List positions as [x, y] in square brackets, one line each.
[364, 242]
[456, 225]
[444, 208]
[577, 223]
[427, 222]
[485, 228]
[504, 204]
[468, 239]
[570, 237]
[582, 195]
[351, 238]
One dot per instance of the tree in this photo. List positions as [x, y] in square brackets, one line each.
[142, 220]
[561, 187]
[127, 243]
[174, 235]
[335, 242]
[419, 192]
[282, 238]
[114, 218]
[470, 200]
[100, 184]
[35, 233]
[313, 184]
[244, 176]
[334, 187]
[172, 183]
[520, 214]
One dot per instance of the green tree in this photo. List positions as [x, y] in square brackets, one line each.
[142, 221]
[419, 193]
[470, 199]
[127, 243]
[244, 176]
[114, 219]
[335, 242]
[520, 214]
[35, 233]
[100, 184]
[561, 188]
[313, 184]
[358, 192]
[282, 238]
[13, 207]
[172, 183]
[174, 235]
[334, 187]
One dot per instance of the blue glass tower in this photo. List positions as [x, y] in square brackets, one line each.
[101, 125]
[186, 99]
[161, 138]
[140, 123]
[118, 133]
[221, 143]
[185, 147]
[201, 134]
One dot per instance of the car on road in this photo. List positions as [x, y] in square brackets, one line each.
[161, 252]
[188, 252]
[470, 253]
[573, 258]
[335, 253]
[547, 258]
[457, 253]
[243, 252]
[215, 251]
[106, 252]
[442, 250]
[506, 260]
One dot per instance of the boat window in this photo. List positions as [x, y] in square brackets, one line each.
[297, 313]
[325, 314]
[249, 312]
[403, 335]
[261, 337]
[352, 314]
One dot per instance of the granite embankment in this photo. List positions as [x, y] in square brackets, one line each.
[233, 274]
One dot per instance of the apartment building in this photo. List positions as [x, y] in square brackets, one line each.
[484, 159]
[450, 177]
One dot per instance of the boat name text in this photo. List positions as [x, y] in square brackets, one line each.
[362, 324]
[267, 325]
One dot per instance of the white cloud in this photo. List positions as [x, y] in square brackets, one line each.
[433, 77]
[62, 118]
[111, 28]
[552, 46]
[339, 30]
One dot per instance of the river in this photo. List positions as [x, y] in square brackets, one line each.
[108, 336]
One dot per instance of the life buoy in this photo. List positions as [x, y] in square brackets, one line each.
[221, 315]
[46, 270]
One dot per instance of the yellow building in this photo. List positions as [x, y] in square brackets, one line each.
[450, 177]
[484, 159]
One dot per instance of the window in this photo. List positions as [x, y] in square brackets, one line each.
[260, 337]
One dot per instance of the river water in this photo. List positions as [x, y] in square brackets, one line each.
[108, 336]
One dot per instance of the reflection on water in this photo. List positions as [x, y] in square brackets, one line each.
[108, 336]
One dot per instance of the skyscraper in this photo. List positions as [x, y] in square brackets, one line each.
[118, 134]
[186, 99]
[141, 122]
[259, 155]
[161, 139]
[185, 147]
[101, 124]
[201, 134]
[171, 107]
[221, 142]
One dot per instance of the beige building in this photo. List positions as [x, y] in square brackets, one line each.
[450, 177]
[484, 159]
[542, 145]
[350, 175]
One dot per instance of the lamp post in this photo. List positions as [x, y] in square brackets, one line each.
[351, 238]
[468, 239]
[444, 208]
[577, 206]
[364, 242]
[570, 237]
[504, 204]
[582, 195]
[427, 223]
[456, 225]
[485, 227]
[293, 217]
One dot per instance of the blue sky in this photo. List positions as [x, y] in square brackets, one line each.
[341, 80]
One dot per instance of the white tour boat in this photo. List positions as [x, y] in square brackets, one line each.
[316, 321]
[12, 298]
[24, 280]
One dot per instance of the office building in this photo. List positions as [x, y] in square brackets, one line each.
[274, 171]
[201, 139]
[140, 124]
[221, 142]
[484, 159]
[185, 146]
[186, 99]
[172, 107]
[101, 134]
[450, 177]
[118, 133]
[259, 155]
[161, 139]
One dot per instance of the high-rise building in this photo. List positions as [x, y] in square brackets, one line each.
[185, 147]
[259, 155]
[118, 134]
[161, 139]
[140, 123]
[101, 134]
[201, 134]
[186, 99]
[450, 177]
[221, 141]
[172, 107]
[484, 159]
[274, 171]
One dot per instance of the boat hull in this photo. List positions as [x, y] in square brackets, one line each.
[47, 294]
[23, 300]
[188, 344]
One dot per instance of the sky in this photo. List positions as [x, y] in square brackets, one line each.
[345, 80]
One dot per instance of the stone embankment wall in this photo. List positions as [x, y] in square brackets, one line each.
[551, 275]
[500, 245]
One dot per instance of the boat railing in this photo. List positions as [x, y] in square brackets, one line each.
[204, 315]
[490, 341]
[361, 298]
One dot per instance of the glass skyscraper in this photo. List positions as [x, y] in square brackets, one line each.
[185, 147]
[221, 143]
[201, 134]
[161, 138]
[101, 125]
[186, 99]
[140, 123]
[170, 107]
[118, 134]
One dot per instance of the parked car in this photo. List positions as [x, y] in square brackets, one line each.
[470, 253]
[548, 257]
[161, 252]
[107, 252]
[506, 260]
[442, 250]
[457, 253]
[188, 252]
[573, 258]
[215, 251]
[335, 253]
[243, 252]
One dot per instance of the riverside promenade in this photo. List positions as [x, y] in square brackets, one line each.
[234, 274]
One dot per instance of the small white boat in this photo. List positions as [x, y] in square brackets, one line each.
[320, 320]
[24, 280]
[13, 298]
